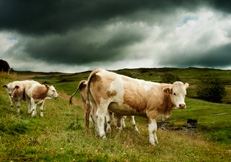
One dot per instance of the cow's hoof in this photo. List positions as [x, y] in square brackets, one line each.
[33, 114]
[104, 137]
[108, 130]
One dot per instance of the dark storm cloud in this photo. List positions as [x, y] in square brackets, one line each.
[45, 16]
[215, 57]
[224, 5]
[82, 47]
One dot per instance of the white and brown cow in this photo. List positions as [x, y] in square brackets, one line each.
[37, 93]
[16, 91]
[120, 122]
[127, 96]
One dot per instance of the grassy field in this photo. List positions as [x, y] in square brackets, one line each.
[61, 136]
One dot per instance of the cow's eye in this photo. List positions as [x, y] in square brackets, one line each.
[174, 94]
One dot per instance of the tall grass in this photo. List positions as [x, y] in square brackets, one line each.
[61, 136]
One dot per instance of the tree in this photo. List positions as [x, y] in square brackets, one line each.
[4, 66]
[211, 90]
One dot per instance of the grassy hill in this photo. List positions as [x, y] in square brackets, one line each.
[61, 136]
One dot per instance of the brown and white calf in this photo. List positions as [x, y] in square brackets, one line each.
[16, 91]
[127, 96]
[120, 122]
[37, 93]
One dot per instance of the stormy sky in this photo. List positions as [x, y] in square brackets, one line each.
[73, 35]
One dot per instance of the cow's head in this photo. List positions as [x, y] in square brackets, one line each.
[51, 93]
[177, 92]
[11, 88]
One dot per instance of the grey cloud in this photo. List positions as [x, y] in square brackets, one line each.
[80, 47]
[215, 57]
[224, 5]
[48, 16]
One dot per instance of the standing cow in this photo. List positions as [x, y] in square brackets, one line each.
[120, 121]
[36, 94]
[16, 91]
[127, 96]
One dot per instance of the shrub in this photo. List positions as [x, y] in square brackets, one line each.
[169, 78]
[211, 90]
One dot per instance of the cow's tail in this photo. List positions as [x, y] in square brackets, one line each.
[90, 100]
[77, 89]
[70, 100]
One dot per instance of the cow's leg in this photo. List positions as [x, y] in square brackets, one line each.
[28, 105]
[152, 128]
[100, 120]
[119, 122]
[123, 121]
[18, 106]
[11, 104]
[108, 121]
[133, 122]
[33, 108]
[41, 108]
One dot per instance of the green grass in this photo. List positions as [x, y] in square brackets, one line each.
[61, 135]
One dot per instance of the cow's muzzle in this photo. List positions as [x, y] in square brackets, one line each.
[182, 106]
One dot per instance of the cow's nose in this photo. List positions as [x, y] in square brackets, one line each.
[182, 106]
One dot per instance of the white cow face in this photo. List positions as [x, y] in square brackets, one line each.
[10, 88]
[177, 93]
[52, 93]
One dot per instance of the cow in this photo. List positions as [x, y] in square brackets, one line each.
[124, 95]
[16, 93]
[36, 94]
[120, 122]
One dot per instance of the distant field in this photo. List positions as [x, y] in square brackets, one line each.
[61, 135]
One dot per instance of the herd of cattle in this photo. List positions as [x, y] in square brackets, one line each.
[105, 93]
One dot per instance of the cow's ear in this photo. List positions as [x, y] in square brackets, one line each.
[186, 85]
[16, 87]
[47, 86]
[167, 90]
[4, 86]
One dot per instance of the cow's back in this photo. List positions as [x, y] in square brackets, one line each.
[30, 86]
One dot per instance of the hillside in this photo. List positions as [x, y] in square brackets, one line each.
[61, 136]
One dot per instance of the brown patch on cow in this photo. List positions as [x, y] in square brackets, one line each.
[111, 93]
[82, 84]
[40, 92]
[167, 90]
[135, 96]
